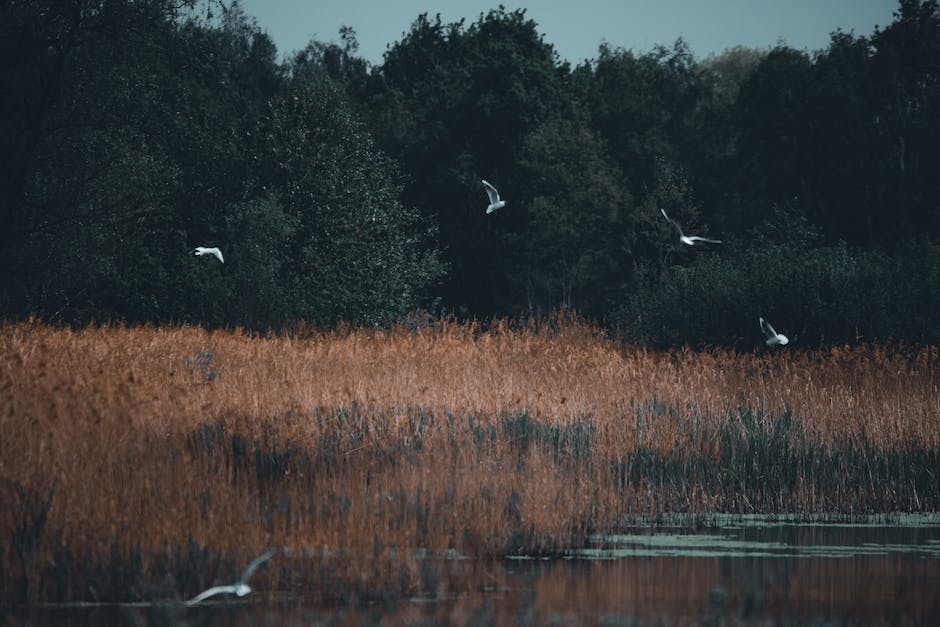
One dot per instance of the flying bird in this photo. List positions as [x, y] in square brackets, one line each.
[495, 202]
[215, 252]
[240, 588]
[773, 338]
[688, 239]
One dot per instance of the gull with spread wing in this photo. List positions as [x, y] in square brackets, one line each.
[773, 338]
[493, 195]
[239, 588]
[215, 252]
[690, 240]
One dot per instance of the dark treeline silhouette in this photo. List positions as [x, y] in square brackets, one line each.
[133, 131]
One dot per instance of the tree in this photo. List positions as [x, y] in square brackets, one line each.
[77, 167]
[644, 106]
[906, 69]
[355, 252]
[842, 167]
[574, 251]
[661, 108]
[773, 112]
[147, 134]
[453, 104]
[731, 68]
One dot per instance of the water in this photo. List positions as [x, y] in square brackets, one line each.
[732, 570]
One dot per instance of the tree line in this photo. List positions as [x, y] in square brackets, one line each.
[135, 130]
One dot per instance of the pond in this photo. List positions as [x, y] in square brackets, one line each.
[719, 570]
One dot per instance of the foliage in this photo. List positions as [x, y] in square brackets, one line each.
[119, 164]
[811, 294]
[574, 248]
[133, 131]
[645, 105]
[467, 96]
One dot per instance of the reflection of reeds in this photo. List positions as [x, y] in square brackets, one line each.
[871, 590]
[134, 454]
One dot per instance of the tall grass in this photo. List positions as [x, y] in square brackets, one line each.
[154, 456]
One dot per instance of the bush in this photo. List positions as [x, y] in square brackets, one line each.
[823, 294]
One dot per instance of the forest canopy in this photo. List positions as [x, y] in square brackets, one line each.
[132, 131]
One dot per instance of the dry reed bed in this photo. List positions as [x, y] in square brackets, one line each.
[163, 449]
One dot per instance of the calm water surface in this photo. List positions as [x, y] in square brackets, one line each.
[733, 570]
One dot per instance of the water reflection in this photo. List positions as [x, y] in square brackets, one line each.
[733, 571]
[686, 589]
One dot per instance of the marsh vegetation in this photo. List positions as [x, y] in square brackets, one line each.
[144, 463]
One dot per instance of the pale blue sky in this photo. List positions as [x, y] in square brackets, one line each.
[577, 27]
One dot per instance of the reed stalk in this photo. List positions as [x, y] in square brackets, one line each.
[136, 459]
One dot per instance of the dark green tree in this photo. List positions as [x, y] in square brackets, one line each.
[660, 108]
[575, 248]
[906, 81]
[842, 163]
[774, 138]
[79, 170]
[453, 103]
[136, 132]
[646, 106]
[355, 252]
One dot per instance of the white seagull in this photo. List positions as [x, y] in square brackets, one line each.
[215, 252]
[495, 202]
[773, 338]
[240, 588]
[688, 239]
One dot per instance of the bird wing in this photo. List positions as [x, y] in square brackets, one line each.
[491, 193]
[704, 239]
[211, 592]
[218, 254]
[255, 564]
[767, 329]
[673, 222]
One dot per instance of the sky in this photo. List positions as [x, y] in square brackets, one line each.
[576, 28]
